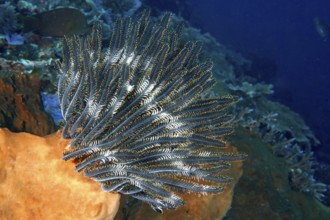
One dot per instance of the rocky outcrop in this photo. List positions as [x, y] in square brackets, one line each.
[21, 109]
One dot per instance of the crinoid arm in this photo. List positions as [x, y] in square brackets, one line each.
[135, 113]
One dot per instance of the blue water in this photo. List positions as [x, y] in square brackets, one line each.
[282, 31]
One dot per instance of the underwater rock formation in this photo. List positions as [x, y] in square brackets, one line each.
[21, 107]
[35, 183]
[135, 114]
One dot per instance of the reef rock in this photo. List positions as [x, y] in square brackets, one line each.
[21, 107]
[35, 183]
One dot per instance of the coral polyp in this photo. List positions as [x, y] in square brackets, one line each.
[135, 113]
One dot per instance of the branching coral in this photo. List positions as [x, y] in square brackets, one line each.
[135, 113]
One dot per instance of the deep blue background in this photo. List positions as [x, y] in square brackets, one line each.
[283, 31]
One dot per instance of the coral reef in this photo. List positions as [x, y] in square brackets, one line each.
[264, 190]
[288, 134]
[9, 24]
[181, 8]
[21, 108]
[35, 183]
[123, 8]
[290, 138]
[269, 126]
[136, 115]
[252, 90]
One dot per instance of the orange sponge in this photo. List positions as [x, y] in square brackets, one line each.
[35, 183]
